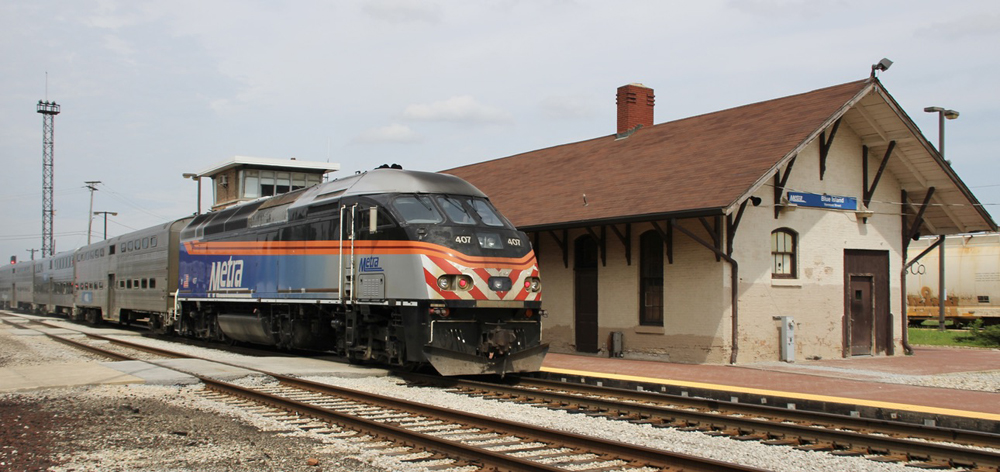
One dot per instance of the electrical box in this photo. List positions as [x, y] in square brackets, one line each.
[787, 338]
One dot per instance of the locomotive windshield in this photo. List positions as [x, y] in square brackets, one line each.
[459, 210]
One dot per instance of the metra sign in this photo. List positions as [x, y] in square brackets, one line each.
[823, 201]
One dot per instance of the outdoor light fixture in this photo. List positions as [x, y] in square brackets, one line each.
[943, 113]
[755, 201]
[882, 65]
[196, 178]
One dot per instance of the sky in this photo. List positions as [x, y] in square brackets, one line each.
[150, 90]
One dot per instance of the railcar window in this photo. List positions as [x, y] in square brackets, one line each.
[145, 283]
[129, 247]
[121, 284]
[145, 243]
[486, 213]
[138, 244]
[111, 250]
[152, 283]
[416, 210]
[152, 241]
[455, 210]
[128, 283]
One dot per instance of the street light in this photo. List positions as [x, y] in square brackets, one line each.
[942, 114]
[105, 213]
[196, 178]
[942, 292]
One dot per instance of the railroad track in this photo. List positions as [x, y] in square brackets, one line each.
[435, 437]
[878, 440]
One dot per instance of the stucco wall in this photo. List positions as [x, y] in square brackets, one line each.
[697, 302]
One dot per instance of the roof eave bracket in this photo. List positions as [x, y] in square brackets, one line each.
[824, 146]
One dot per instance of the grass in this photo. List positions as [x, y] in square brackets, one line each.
[930, 336]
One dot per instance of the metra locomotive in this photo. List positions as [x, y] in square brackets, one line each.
[389, 266]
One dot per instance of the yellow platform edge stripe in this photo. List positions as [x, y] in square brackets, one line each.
[796, 395]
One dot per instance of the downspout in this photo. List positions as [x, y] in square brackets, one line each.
[735, 274]
[902, 288]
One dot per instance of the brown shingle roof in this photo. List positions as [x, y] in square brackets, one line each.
[705, 162]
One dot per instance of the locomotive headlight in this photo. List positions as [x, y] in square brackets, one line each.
[444, 282]
[533, 283]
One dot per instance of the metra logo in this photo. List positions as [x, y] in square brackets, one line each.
[370, 264]
[226, 274]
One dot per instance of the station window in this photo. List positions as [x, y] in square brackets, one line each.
[651, 279]
[982, 298]
[784, 246]
[265, 183]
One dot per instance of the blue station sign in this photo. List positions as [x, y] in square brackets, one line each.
[834, 202]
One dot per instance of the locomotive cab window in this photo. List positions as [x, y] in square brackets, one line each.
[486, 213]
[784, 252]
[455, 210]
[417, 209]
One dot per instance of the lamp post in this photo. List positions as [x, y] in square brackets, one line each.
[196, 178]
[105, 213]
[943, 113]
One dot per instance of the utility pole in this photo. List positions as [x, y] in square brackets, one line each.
[91, 184]
[32, 251]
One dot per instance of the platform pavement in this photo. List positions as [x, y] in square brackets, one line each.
[157, 372]
[857, 380]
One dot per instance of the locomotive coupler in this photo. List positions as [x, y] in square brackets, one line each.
[498, 342]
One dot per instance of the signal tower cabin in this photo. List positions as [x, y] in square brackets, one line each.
[243, 178]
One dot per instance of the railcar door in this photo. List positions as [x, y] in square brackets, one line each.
[110, 294]
[586, 277]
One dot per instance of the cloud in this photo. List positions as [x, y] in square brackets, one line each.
[462, 108]
[394, 133]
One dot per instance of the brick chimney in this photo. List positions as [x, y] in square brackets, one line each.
[635, 107]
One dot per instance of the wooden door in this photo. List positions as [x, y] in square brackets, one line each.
[862, 316]
[869, 330]
[585, 288]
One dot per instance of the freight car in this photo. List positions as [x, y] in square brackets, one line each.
[972, 280]
[389, 266]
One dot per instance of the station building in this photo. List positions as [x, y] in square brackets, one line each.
[771, 231]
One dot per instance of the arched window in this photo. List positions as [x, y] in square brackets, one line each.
[651, 279]
[784, 249]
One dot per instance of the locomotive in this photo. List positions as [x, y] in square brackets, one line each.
[390, 266]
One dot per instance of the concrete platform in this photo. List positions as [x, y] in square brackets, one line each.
[856, 383]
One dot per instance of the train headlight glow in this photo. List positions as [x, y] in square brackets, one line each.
[533, 283]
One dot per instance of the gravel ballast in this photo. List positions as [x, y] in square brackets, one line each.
[143, 427]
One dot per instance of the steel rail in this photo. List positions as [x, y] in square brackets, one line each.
[624, 451]
[915, 450]
[385, 431]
